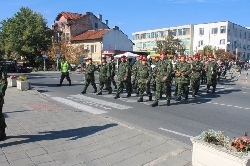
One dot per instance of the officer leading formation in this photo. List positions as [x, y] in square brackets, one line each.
[180, 71]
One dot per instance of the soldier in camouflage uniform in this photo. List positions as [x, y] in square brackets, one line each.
[157, 58]
[211, 73]
[144, 76]
[89, 76]
[112, 68]
[129, 83]
[104, 77]
[3, 87]
[174, 61]
[124, 71]
[135, 70]
[196, 67]
[163, 79]
[183, 71]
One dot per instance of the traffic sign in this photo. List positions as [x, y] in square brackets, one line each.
[57, 54]
[44, 56]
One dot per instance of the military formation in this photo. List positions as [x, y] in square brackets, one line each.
[181, 71]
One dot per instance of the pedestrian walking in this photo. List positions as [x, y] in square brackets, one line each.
[90, 76]
[65, 67]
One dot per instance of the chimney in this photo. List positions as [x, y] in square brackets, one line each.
[100, 17]
[106, 22]
[116, 28]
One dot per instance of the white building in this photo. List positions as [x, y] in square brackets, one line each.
[146, 40]
[223, 35]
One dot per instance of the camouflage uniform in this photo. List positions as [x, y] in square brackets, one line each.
[124, 71]
[211, 74]
[182, 76]
[105, 78]
[195, 77]
[90, 77]
[3, 87]
[163, 70]
[144, 75]
[154, 75]
[135, 68]
[112, 68]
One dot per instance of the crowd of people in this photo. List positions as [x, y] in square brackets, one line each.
[182, 71]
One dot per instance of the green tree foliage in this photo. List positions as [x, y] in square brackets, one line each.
[25, 34]
[170, 45]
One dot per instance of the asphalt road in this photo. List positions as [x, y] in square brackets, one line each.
[227, 110]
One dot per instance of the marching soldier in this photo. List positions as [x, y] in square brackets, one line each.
[129, 75]
[144, 77]
[135, 70]
[157, 58]
[196, 68]
[163, 79]
[211, 73]
[104, 77]
[65, 66]
[3, 87]
[112, 68]
[124, 71]
[174, 61]
[182, 76]
[89, 76]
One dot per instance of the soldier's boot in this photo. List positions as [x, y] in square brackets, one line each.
[99, 93]
[95, 90]
[83, 92]
[160, 95]
[186, 96]
[140, 99]
[213, 89]
[178, 98]
[129, 94]
[69, 83]
[117, 96]
[2, 135]
[110, 90]
[207, 91]
[149, 98]
[154, 104]
[168, 102]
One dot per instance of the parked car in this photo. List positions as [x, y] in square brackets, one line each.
[22, 69]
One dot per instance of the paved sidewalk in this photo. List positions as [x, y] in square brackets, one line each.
[41, 132]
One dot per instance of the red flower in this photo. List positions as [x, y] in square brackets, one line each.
[241, 146]
[244, 139]
[237, 140]
[231, 143]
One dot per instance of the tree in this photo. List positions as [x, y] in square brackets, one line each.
[25, 35]
[226, 56]
[170, 45]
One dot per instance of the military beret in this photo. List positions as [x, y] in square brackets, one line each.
[182, 56]
[196, 57]
[90, 59]
[163, 53]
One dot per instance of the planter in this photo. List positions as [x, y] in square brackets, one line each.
[205, 154]
[11, 82]
[23, 85]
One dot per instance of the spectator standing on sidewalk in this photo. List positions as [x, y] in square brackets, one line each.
[3, 87]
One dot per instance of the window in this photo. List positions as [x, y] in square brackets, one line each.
[161, 34]
[96, 25]
[152, 35]
[185, 31]
[67, 37]
[92, 49]
[201, 31]
[222, 41]
[147, 35]
[235, 32]
[245, 35]
[143, 36]
[240, 33]
[185, 41]
[200, 43]
[228, 31]
[222, 29]
[166, 33]
[153, 43]
[214, 30]
[179, 32]
[174, 32]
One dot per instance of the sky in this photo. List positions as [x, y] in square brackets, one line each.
[139, 15]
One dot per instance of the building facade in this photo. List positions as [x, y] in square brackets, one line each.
[220, 35]
[103, 42]
[146, 40]
[223, 35]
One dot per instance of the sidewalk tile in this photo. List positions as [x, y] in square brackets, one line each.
[60, 155]
[22, 162]
[42, 159]
[97, 162]
[86, 157]
[3, 159]
[5, 164]
[36, 152]
[16, 155]
[69, 161]
[51, 163]
[54, 148]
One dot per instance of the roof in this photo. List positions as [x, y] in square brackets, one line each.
[90, 34]
[68, 15]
